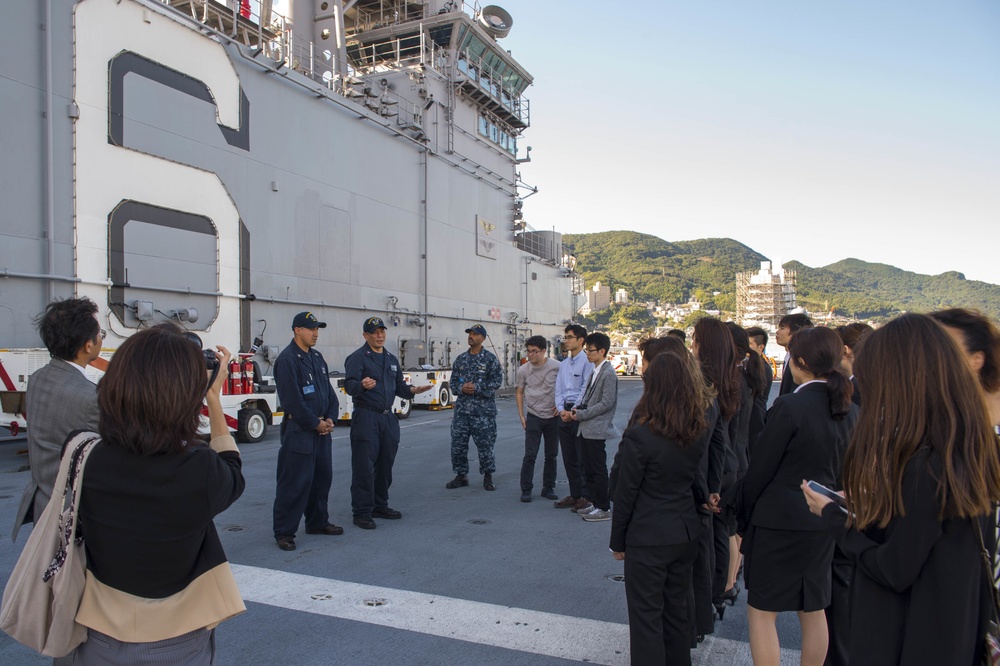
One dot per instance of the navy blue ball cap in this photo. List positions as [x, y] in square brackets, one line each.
[307, 320]
[478, 329]
[372, 324]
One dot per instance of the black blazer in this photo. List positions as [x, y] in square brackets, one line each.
[788, 384]
[800, 441]
[919, 595]
[653, 504]
[739, 427]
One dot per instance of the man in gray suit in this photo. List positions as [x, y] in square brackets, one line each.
[60, 398]
[596, 413]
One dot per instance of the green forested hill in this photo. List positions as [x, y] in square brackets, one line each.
[651, 268]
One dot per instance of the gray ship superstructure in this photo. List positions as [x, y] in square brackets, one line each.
[185, 160]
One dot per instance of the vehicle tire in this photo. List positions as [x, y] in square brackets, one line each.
[444, 396]
[252, 426]
[405, 407]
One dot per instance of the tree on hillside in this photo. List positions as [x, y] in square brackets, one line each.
[631, 317]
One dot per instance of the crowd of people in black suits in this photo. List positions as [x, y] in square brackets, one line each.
[874, 520]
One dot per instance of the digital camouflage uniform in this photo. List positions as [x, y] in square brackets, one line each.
[475, 415]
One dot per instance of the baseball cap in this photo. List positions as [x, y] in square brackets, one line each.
[372, 324]
[478, 329]
[307, 320]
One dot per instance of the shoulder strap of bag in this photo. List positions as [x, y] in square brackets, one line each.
[71, 469]
[977, 527]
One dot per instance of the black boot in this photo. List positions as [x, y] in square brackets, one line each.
[488, 482]
[459, 481]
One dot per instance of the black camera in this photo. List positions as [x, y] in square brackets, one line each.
[211, 360]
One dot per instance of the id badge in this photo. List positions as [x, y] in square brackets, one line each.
[308, 389]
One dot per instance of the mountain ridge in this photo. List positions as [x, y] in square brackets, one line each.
[652, 268]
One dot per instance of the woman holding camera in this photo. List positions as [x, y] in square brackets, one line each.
[158, 582]
[921, 476]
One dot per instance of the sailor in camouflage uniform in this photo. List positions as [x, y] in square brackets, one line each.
[477, 375]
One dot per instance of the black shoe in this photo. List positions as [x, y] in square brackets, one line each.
[286, 542]
[459, 481]
[329, 529]
[548, 493]
[386, 512]
[731, 594]
[720, 607]
[488, 482]
[365, 522]
[526, 497]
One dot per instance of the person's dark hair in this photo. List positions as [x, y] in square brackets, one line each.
[980, 335]
[538, 341]
[926, 398]
[576, 330]
[751, 364]
[151, 396]
[677, 333]
[819, 351]
[717, 355]
[67, 325]
[795, 322]
[851, 334]
[650, 348]
[598, 341]
[673, 399]
[758, 335]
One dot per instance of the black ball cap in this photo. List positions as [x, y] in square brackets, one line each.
[307, 320]
[372, 324]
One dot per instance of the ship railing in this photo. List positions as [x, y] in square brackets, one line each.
[506, 98]
[364, 87]
[242, 21]
[394, 54]
[403, 12]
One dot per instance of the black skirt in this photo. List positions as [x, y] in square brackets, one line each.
[787, 570]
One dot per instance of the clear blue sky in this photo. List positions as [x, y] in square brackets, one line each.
[806, 129]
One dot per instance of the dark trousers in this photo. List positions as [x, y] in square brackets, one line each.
[838, 617]
[534, 429]
[701, 579]
[374, 443]
[723, 526]
[657, 583]
[304, 474]
[572, 456]
[595, 471]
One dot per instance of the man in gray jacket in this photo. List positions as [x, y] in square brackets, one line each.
[595, 413]
[60, 398]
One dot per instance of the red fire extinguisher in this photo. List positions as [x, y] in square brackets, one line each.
[248, 375]
[235, 377]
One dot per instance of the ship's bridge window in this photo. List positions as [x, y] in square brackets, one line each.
[497, 135]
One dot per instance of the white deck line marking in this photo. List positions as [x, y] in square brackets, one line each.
[520, 629]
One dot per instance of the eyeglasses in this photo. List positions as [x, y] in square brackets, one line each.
[590, 350]
[534, 351]
[103, 333]
[570, 337]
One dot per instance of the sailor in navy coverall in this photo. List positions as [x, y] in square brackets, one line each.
[374, 377]
[305, 462]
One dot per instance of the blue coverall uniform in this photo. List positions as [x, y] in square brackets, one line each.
[374, 426]
[305, 460]
[476, 414]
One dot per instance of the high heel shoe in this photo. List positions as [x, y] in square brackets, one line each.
[720, 607]
[731, 594]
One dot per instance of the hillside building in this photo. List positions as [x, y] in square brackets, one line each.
[598, 298]
[621, 297]
[765, 296]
